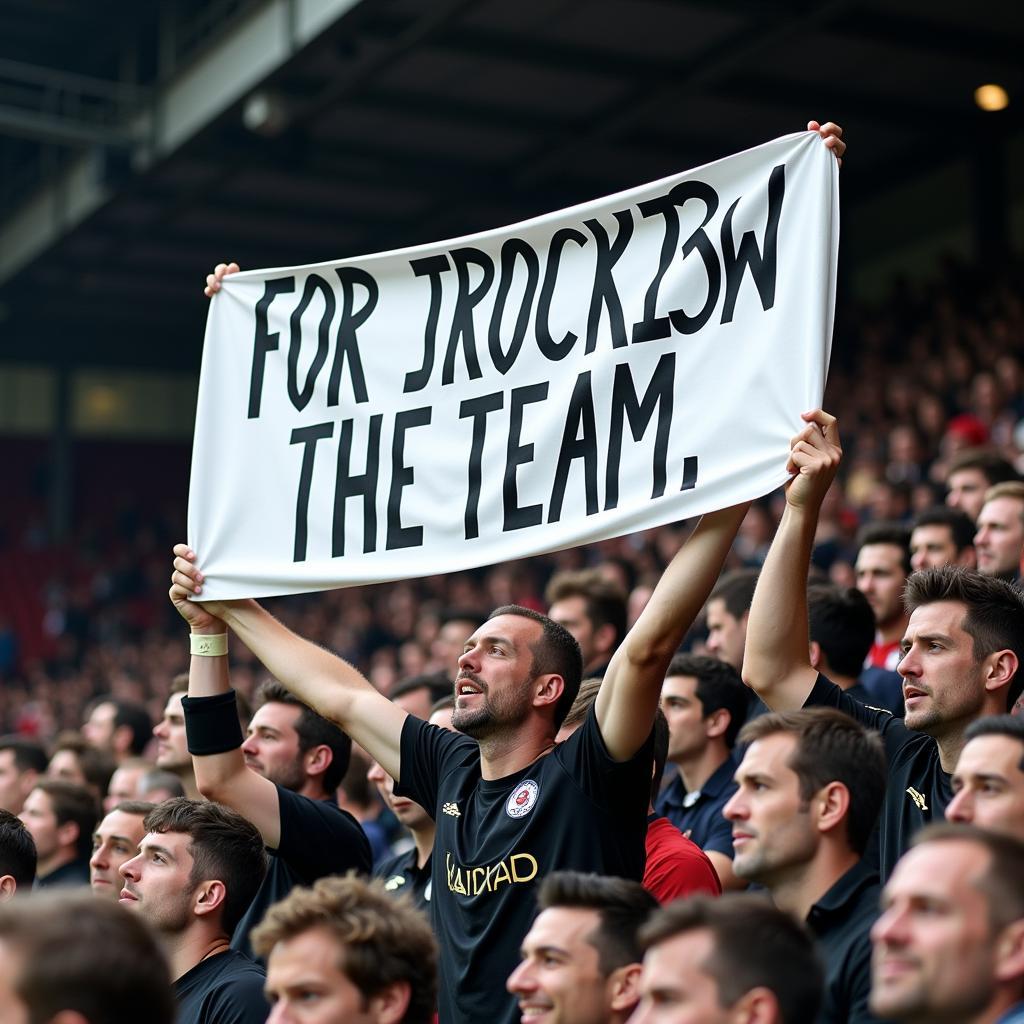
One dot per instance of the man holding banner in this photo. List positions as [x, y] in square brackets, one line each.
[511, 806]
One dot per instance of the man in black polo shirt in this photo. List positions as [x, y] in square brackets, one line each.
[282, 778]
[810, 786]
[962, 649]
[705, 704]
[510, 805]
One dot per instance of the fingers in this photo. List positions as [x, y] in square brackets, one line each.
[213, 281]
[832, 134]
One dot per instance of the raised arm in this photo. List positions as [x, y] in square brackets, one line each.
[776, 659]
[318, 678]
[631, 689]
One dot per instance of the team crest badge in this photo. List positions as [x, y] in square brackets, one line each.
[521, 802]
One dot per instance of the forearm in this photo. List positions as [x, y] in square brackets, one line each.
[317, 677]
[683, 589]
[776, 660]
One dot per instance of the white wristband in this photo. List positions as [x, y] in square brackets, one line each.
[208, 646]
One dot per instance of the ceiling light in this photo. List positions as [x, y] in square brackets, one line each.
[991, 97]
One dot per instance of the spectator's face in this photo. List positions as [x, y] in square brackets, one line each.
[571, 612]
[172, 748]
[932, 547]
[40, 819]
[772, 831]
[967, 489]
[272, 745]
[495, 681]
[115, 841]
[442, 718]
[726, 633]
[407, 811]
[12, 1009]
[559, 980]
[157, 881]
[15, 785]
[687, 734]
[674, 987]
[305, 985]
[999, 541]
[933, 944]
[124, 785]
[988, 784]
[99, 729]
[941, 681]
[450, 642]
[880, 578]
[65, 765]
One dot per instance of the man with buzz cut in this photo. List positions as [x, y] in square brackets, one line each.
[198, 867]
[962, 648]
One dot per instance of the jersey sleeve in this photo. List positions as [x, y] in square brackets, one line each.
[895, 735]
[427, 751]
[614, 784]
[319, 839]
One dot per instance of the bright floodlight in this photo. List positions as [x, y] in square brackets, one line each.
[991, 97]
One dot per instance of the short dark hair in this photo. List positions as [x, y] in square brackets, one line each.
[832, 747]
[127, 713]
[754, 945]
[224, 846]
[97, 765]
[842, 624]
[28, 755]
[383, 939]
[960, 525]
[556, 651]
[139, 807]
[157, 778]
[1003, 882]
[623, 907]
[179, 683]
[887, 532]
[735, 589]
[719, 688]
[72, 802]
[605, 602]
[1010, 726]
[993, 466]
[17, 851]
[437, 684]
[76, 952]
[995, 612]
[313, 730]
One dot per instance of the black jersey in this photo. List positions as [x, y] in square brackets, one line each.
[223, 989]
[573, 809]
[317, 839]
[917, 791]
[400, 873]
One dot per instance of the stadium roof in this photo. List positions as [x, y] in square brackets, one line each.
[142, 143]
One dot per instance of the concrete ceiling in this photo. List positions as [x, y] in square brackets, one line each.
[402, 121]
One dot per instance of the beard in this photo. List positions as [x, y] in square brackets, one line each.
[501, 714]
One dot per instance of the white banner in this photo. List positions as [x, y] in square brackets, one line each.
[596, 371]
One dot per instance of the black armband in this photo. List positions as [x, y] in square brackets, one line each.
[211, 724]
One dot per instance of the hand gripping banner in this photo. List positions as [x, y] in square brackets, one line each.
[600, 370]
